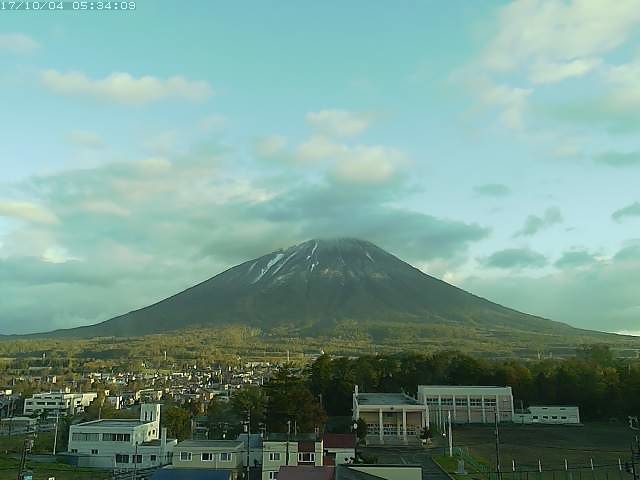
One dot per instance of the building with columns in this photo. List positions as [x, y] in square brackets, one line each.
[391, 418]
[467, 404]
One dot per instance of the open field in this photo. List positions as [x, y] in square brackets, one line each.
[605, 443]
[44, 471]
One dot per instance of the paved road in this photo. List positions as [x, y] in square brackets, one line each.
[409, 456]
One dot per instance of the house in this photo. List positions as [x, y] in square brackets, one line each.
[467, 404]
[553, 414]
[17, 425]
[394, 418]
[121, 443]
[378, 472]
[306, 473]
[210, 454]
[339, 448]
[57, 403]
[255, 448]
[280, 450]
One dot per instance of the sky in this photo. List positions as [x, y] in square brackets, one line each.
[492, 144]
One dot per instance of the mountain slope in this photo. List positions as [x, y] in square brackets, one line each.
[314, 286]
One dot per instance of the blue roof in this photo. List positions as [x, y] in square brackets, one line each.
[190, 474]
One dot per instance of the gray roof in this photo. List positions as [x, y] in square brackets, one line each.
[347, 472]
[111, 423]
[386, 399]
[255, 440]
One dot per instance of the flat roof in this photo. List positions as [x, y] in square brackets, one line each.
[112, 423]
[385, 399]
[210, 444]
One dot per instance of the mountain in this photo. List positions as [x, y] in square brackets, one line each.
[313, 288]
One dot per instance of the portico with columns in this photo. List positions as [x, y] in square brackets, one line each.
[390, 417]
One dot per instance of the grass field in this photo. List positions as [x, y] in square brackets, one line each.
[605, 443]
[43, 443]
[44, 471]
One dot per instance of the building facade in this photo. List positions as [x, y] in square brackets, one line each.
[391, 417]
[57, 403]
[210, 454]
[301, 450]
[467, 404]
[552, 414]
[121, 443]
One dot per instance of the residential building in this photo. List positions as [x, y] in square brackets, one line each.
[57, 403]
[391, 418]
[17, 425]
[255, 448]
[122, 443]
[210, 454]
[553, 414]
[467, 404]
[282, 450]
[339, 448]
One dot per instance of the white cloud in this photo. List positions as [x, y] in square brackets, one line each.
[318, 148]
[27, 211]
[553, 72]
[86, 139]
[105, 207]
[339, 123]
[559, 31]
[368, 164]
[626, 82]
[17, 43]
[511, 102]
[271, 145]
[124, 88]
[212, 122]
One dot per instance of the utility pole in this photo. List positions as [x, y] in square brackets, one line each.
[288, 435]
[498, 447]
[26, 448]
[248, 440]
[450, 435]
[55, 435]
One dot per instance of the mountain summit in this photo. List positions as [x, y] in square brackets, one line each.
[311, 288]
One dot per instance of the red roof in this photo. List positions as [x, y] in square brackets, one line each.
[339, 440]
[306, 473]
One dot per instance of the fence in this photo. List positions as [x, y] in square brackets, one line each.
[540, 471]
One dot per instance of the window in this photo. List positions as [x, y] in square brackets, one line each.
[94, 451]
[206, 457]
[432, 401]
[273, 475]
[447, 401]
[116, 437]
[85, 437]
[74, 450]
[476, 402]
[185, 456]
[136, 458]
[554, 417]
[153, 458]
[306, 457]
[490, 402]
[225, 457]
[274, 457]
[461, 402]
[563, 418]
[122, 458]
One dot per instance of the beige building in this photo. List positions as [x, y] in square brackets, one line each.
[390, 417]
[301, 450]
[467, 404]
[211, 454]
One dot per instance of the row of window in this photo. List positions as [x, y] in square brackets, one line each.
[461, 402]
[391, 429]
[106, 437]
[206, 456]
[123, 458]
[303, 457]
[546, 417]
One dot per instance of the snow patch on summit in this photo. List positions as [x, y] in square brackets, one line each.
[270, 264]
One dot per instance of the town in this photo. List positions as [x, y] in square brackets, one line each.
[263, 420]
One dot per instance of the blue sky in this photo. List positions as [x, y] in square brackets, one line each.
[491, 144]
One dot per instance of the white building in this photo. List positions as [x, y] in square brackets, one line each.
[210, 454]
[553, 414]
[467, 404]
[278, 451]
[391, 417]
[60, 403]
[122, 443]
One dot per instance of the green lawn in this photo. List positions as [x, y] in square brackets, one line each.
[43, 471]
[603, 443]
[43, 443]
